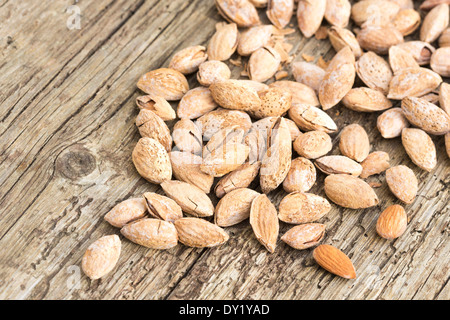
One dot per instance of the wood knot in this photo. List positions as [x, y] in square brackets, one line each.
[76, 162]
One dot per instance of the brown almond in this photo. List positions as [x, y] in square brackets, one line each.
[187, 137]
[152, 126]
[407, 21]
[350, 192]
[311, 118]
[191, 199]
[304, 236]
[234, 207]
[313, 144]
[162, 207]
[152, 161]
[420, 148]
[310, 15]
[241, 12]
[340, 38]
[158, 105]
[264, 222]
[219, 119]
[199, 233]
[151, 233]
[366, 100]
[301, 94]
[400, 59]
[391, 123]
[101, 257]
[186, 167]
[166, 83]
[224, 42]
[354, 142]
[421, 51]
[375, 163]
[189, 59]
[195, 103]
[402, 182]
[335, 261]
[338, 165]
[308, 74]
[126, 211]
[434, 23]
[235, 95]
[301, 176]
[298, 208]
[253, 39]
[337, 12]
[242, 177]
[374, 71]
[440, 61]
[280, 12]
[379, 38]
[212, 71]
[426, 115]
[413, 82]
[392, 222]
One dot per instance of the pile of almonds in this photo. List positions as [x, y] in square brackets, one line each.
[245, 131]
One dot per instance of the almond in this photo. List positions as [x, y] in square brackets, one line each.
[216, 120]
[311, 118]
[350, 192]
[435, 22]
[234, 207]
[242, 177]
[338, 80]
[444, 39]
[400, 59]
[308, 74]
[413, 82]
[241, 12]
[407, 21]
[195, 103]
[225, 159]
[338, 165]
[402, 182]
[379, 38]
[374, 71]
[375, 163]
[304, 236]
[212, 71]
[392, 222]
[366, 100]
[199, 233]
[152, 126]
[354, 142]
[297, 208]
[263, 64]
[274, 103]
[280, 12]
[420, 148]
[313, 144]
[444, 97]
[166, 83]
[158, 105]
[259, 3]
[187, 137]
[310, 15]
[253, 39]
[440, 61]
[186, 167]
[430, 4]
[391, 123]
[101, 257]
[374, 11]
[301, 94]
[189, 59]
[426, 115]
[235, 95]
[152, 161]
[126, 211]
[264, 222]
[404, 4]
[340, 38]
[335, 261]
[224, 42]
[301, 176]
[421, 51]
[162, 207]
[151, 233]
[191, 199]
[337, 12]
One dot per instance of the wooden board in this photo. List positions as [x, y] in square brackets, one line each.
[67, 131]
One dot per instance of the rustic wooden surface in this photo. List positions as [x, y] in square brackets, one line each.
[67, 131]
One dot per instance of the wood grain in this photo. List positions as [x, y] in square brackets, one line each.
[67, 130]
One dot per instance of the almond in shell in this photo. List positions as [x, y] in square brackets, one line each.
[301, 176]
[435, 22]
[242, 177]
[298, 208]
[403, 183]
[263, 64]
[313, 144]
[308, 74]
[379, 38]
[421, 51]
[101, 257]
[374, 71]
[304, 236]
[310, 15]
[274, 103]
[407, 21]
[392, 222]
[444, 39]
[212, 71]
[337, 12]
[420, 148]
[311, 118]
[440, 61]
[375, 163]
[366, 100]
[199, 233]
[234, 207]
[391, 123]
[413, 82]
[126, 211]
[340, 38]
[152, 126]
[430, 4]
[166, 83]
[241, 12]
[195, 103]
[338, 165]
[354, 142]
[426, 115]
[187, 137]
[235, 95]
[264, 222]
[162, 207]
[189, 59]
[224, 42]
[253, 39]
[158, 105]
[374, 12]
[444, 97]
[400, 59]
[151, 233]
[219, 119]
[301, 94]
[152, 161]
[335, 261]
[280, 12]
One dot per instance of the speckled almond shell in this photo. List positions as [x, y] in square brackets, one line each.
[162, 207]
[158, 105]
[350, 192]
[444, 39]
[335, 261]
[151, 233]
[354, 142]
[401, 59]
[195, 103]
[421, 51]
[224, 42]
[275, 102]
[199, 233]
[434, 23]
[379, 38]
[234, 207]
[366, 100]
[280, 12]
[337, 12]
[304, 236]
[264, 222]
[253, 39]
[219, 119]
[235, 95]
[402, 182]
[186, 167]
[440, 61]
[298, 208]
[101, 257]
[242, 177]
[225, 159]
[189, 59]
[301, 94]
[152, 126]
[413, 82]
[311, 118]
[430, 4]
[308, 73]
[374, 71]
[187, 137]
[426, 115]
[310, 15]
[444, 97]
[126, 211]
[375, 163]
[340, 38]
[166, 83]
[263, 64]
[337, 165]
[391, 123]
[407, 21]
[392, 222]
[241, 12]
[367, 10]
[313, 144]
[301, 176]
[212, 71]
[420, 148]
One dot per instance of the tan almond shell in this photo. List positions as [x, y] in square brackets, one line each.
[298, 208]
[310, 15]
[373, 10]
[420, 148]
[152, 161]
[354, 142]
[275, 102]
[257, 86]
[225, 159]
[340, 38]
[301, 176]
[101, 257]
[187, 137]
[158, 105]
[242, 177]
[152, 126]
[313, 144]
[440, 61]
[253, 39]
[212, 71]
[235, 95]
[335, 261]
[162, 207]
[375, 163]
[264, 222]
[190, 198]
[166, 83]
[301, 94]
[189, 59]
[366, 100]
[421, 51]
[308, 74]
[241, 12]
[280, 12]
[186, 167]
[350, 192]
[234, 207]
[151, 233]
[426, 115]
[413, 82]
[304, 236]
[400, 59]
[379, 38]
[404, 4]
[392, 222]
[126, 211]
[219, 119]
[444, 97]
[259, 3]
[311, 118]
[391, 123]
[199, 233]
[444, 39]
[430, 4]
[195, 103]
[407, 21]
[232, 134]
[224, 42]
[402, 182]
[338, 164]
[374, 71]
[337, 12]
[263, 64]
[434, 23]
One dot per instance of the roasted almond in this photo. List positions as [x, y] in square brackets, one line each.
[313, 144]
[152, 161]
[420, 148]
[391, 123]
[335, 261]
[392, 222]
[234, 207]
[444, 39]
[402, 182]
[189, 59]
[151, 233]
[101, 257]
[199, 233]
[225, 159]
[444, 97]
[162, 207]
[375, 163]
[264, 222]
[126, 211]
[304, 236]
[426, 115]
[338, 165]
[366, 100]
[274, 103]
[413, 82]
[354, 142]
[166, 83]
[301, 176]
[298, 208]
